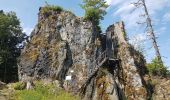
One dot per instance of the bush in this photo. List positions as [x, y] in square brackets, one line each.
[92, 15]
[46, 9]
[155, 68]
[94, 10]
[19, 86]
[44, 92]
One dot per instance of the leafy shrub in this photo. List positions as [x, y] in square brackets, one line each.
[94, 10]
[92, 15]
[157, 69]
[19, 86]
[44, 92]
[46, 9]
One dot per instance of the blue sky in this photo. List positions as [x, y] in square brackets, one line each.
[27, 11]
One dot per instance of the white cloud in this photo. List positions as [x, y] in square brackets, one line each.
[108, 2]
[27, 30]
[156, 5]
[114, 2]
[138, 41]
[166, 17]
[126, 11]
[160, 31]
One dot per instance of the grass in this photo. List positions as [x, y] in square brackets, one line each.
[46, 9]
[19, 86]
[44, 92]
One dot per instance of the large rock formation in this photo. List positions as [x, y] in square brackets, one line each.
[63, 45]
[161, 88]
[60, 43]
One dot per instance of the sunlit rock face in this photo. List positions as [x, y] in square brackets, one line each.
[64, 47]
[131, 67]
[161, 88]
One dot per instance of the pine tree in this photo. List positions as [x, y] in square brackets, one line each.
[94, 10]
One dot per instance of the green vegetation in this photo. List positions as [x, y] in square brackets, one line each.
[124, 35]
[47, 8]
[19, 86]
[94, 11]
[0, 60]
[156, 68]
[11, 36]
[44, 92]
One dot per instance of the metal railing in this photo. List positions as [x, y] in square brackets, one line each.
[101, 59]
[97, 63]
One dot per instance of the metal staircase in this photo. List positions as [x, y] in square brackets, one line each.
[101, 59]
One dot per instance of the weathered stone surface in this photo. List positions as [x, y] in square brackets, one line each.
[131, 66]
[65, 45]
[161, 88]
[2, 85]
[123, 79]
[59, 43]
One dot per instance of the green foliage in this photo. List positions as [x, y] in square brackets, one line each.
[94, 10]
[47, 8]
[102, 72]
[11, 36]
[1, 60]
[44, 92]
[92, 15]
[19, 86]
[157, 68]
[124, 35]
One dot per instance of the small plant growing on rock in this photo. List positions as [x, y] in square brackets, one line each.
[48, 8]
[19, 86]
[94, 11]
[156, 68]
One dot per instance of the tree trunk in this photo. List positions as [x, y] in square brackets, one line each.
[151, 33]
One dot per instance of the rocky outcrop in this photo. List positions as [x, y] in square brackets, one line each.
[131, 67]
[2, 85]
[161, 88]
[64, 47]
[123, 78]
[60, 43]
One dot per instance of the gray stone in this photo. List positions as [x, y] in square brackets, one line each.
[63, 42]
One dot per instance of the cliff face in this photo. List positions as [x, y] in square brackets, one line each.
[60, 43]
[161, 88]
[131, 68]
[63, 45]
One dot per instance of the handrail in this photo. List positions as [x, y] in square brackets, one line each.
[103, 55]
[96, 65]
[98, 62]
